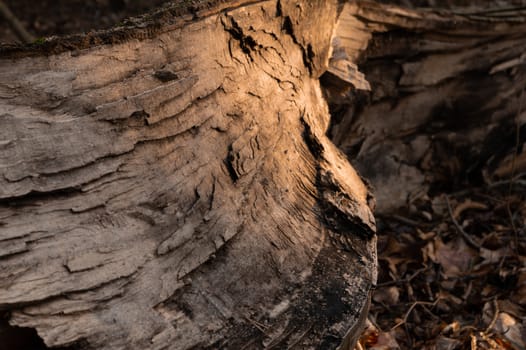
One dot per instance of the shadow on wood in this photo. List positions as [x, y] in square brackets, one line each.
[169, 184]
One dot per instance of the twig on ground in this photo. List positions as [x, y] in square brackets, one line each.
[15, 24]
[405, 220]
[404, 280]
[411, 308]
[495, 316]
[513, 180]
[473, 342]
[426, 310]
[464, 234]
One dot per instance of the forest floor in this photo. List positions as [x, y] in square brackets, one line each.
[452, 268]
[452, 273]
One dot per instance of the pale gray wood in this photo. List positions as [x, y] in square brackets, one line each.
[170, 184]
[176, 189]
[444, 101]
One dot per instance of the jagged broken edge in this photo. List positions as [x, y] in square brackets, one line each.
[169, 16]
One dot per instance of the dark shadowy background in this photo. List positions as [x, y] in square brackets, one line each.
[58, 17]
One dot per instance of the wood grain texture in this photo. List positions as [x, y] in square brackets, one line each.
[444, 101]
[176, 190]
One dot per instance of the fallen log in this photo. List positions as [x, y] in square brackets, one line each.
[444, 106]
[168, 184]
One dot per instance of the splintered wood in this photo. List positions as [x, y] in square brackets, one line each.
[176, 190]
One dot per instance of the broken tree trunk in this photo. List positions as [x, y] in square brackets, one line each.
[169, 185]
[444, 106]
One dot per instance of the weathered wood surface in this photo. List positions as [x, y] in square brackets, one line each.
[169, 185]
[176, 190]
[444, 101]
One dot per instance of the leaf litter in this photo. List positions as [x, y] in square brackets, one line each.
[454, 278]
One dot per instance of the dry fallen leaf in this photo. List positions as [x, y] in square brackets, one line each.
[455, 257]
[385, 341]
[436, 262]
[425, 236]
[494, 256]
[374, 339]
[392, 263]
[439, 205]
[453, 327]
[466, 205]
[511, 330]
[511, 164]
[444, 343]
[519, 295]
[387, 295]
[503, 324]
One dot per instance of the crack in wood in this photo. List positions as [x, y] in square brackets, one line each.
[177, 223]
